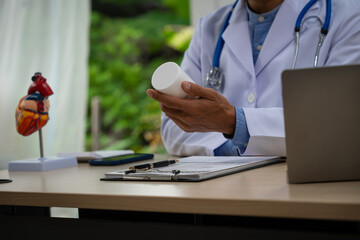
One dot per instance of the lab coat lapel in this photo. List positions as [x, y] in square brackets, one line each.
[237, 38]
[281, 33]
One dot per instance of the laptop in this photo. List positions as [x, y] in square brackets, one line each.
[322, 123]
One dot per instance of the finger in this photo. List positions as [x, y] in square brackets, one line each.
[196, 90]
[183, 120]
[181, 124]
[158, 96]
[171, 111]
[150, 92]
[180, 116]
[167, 100]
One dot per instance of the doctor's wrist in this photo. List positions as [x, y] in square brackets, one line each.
[230, 124]
[241, 135]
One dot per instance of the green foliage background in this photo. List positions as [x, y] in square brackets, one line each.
[128, 41]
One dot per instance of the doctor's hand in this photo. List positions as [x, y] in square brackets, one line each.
[204, 111]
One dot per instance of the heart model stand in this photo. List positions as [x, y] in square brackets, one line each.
[31, 116]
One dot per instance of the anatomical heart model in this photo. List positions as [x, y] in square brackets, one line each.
[32, 110]
[32, 113]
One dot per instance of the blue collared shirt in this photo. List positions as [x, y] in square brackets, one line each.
[259, 26]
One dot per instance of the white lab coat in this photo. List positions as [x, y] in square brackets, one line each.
[257, 89]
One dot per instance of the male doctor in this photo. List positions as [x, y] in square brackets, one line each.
[246, 115]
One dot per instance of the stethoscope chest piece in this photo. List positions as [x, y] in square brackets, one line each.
[214, 79]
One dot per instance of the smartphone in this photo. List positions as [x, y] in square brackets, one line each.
[121, 159]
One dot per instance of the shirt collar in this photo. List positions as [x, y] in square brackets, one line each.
[268, 17]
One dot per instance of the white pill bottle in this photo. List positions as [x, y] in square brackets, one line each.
[167, 79]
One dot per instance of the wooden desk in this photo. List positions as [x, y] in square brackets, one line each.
[262, 192]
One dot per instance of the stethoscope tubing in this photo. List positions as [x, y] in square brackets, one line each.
[323, 32]
[220, 41]
[299, 20]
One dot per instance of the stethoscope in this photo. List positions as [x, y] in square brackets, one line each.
[214, 78]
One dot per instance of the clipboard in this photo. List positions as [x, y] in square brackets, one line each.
[195, 169]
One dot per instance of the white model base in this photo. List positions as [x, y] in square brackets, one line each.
[42, 164]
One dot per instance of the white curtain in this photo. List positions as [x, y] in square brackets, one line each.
[51, 37]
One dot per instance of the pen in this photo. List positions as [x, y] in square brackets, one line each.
[130, 171]
[154, 165]
[5, 180]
